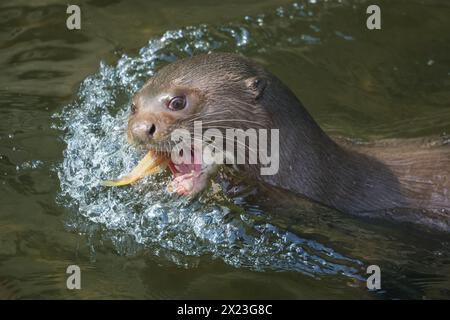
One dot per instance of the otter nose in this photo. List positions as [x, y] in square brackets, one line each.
[144, 132]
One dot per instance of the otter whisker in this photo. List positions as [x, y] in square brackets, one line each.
[200, 115]
[227, 139]
[232, 140]
[231, 120]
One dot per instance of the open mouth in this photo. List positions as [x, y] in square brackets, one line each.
[184, 165]
[187, 174]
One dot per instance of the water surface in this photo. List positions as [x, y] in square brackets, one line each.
[63, 107]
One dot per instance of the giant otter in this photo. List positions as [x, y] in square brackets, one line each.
[227, 90]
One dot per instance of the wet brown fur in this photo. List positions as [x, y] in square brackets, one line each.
[400, 181]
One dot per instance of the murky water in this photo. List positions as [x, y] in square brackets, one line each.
[64, 100]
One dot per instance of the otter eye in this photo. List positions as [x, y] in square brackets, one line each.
[177, 103]
[133, 108]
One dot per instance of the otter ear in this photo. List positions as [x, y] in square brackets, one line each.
[256, 86]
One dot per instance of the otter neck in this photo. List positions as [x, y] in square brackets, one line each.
[314, 165]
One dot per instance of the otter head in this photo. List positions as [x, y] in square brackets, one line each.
[211, 88]
[220, 90]
[157, 110]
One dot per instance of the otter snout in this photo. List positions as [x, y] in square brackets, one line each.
[143, 131]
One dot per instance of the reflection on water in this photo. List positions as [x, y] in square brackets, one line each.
[138, 241]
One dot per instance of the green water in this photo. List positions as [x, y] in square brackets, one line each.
[360, 84]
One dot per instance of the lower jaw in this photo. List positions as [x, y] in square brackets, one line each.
[188, 179]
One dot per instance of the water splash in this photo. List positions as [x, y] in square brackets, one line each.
[95, 124]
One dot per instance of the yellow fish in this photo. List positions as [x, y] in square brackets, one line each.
[150, 164]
